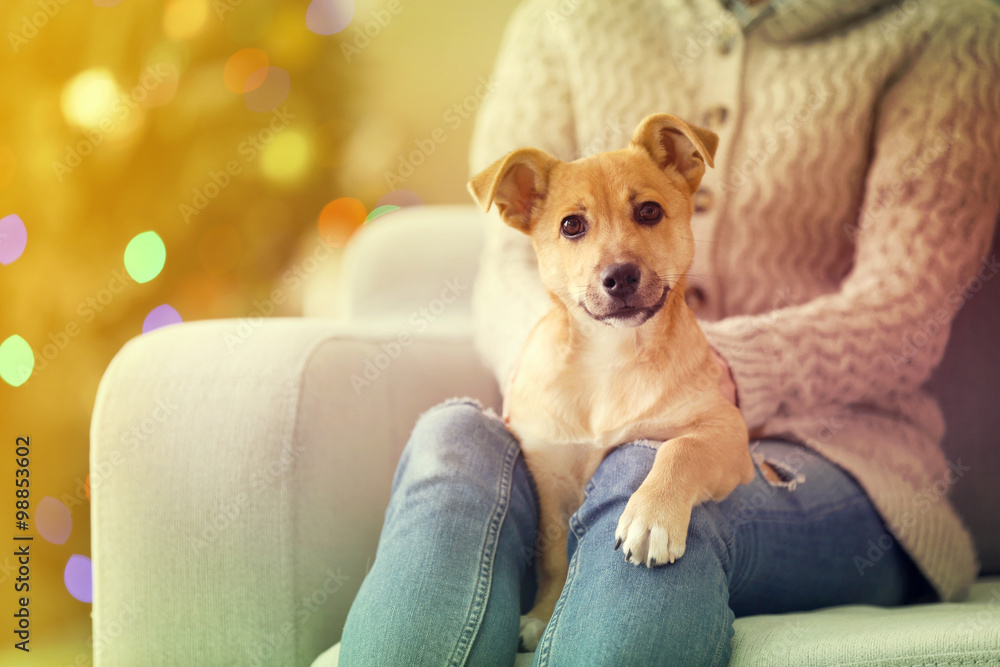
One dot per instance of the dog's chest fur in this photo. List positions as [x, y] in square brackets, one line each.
[599, 391]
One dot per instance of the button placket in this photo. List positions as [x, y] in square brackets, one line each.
[720, 114]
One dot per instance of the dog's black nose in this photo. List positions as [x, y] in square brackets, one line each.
[621, 280]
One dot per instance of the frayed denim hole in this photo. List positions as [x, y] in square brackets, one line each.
[789, 477]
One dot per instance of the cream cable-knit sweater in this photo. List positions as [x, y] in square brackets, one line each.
[852, 202]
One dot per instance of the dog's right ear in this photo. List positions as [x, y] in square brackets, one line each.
[517, 183]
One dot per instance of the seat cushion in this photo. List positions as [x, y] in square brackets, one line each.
[940, 634]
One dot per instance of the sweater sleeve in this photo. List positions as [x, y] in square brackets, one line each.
[531, 107]
[930, 204]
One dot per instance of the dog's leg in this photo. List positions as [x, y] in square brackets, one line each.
[559, 494]
[710, 460]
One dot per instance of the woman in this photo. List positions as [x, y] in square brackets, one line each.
[854, 195]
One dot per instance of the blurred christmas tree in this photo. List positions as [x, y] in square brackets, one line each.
[216, 124]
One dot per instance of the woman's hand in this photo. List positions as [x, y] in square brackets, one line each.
[727, 385]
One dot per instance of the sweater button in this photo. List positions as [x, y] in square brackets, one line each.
[714, 117]
[703, 200]
[726, 42]
[695, 298]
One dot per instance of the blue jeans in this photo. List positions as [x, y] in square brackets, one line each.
[453, 571]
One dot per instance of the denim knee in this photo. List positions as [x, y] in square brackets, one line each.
[456, 440]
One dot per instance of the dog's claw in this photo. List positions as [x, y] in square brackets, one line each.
[618, 544]
[628, 556]
[652, 562]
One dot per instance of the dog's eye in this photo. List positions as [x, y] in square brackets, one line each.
[648, 213]
[572, 225]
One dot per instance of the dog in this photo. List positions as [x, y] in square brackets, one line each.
[620, 356]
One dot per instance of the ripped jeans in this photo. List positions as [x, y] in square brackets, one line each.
[453, 570]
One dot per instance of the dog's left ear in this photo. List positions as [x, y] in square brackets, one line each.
[517, 183]
[672, 142]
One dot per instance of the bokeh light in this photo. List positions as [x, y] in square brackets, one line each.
[220, 249]
[16, 361]
[79, 578]
[271, 92]
[339, 219]
[88, 97]
[380, 211]
[53, 520]
[183, 19]
[145, 256]
[13, 238]
[159, 317]
[328, 17]
[8, 165]
[401, 198]
[245, 70]
[286, 159]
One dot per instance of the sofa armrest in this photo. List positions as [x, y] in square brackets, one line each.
[239, 475]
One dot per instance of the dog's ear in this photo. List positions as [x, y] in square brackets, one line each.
[672, 142]
[517, 183]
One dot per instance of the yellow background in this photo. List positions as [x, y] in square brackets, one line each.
[354, 117]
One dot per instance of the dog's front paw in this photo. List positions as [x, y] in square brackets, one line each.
[653, 528]
[531, 633]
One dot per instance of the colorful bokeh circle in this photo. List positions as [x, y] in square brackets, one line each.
[79, 578]
[145, 257]
[53, 520]
[13, 238]
[245, 70]
[328, 17]
[17, 360]
[161, 316]
[340, 219]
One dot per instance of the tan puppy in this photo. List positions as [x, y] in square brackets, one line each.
[620, 356]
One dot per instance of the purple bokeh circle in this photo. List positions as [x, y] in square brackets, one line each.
[79, 578]
[13, 238]
[161, 316]
[328, 17]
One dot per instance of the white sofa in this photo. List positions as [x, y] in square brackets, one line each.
[240, 470]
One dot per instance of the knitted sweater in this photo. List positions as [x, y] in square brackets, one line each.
[852, 202]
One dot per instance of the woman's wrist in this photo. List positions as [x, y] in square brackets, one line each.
[727, 383]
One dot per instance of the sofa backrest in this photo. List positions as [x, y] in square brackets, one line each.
[967, 385]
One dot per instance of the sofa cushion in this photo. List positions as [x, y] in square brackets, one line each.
[943, 633]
